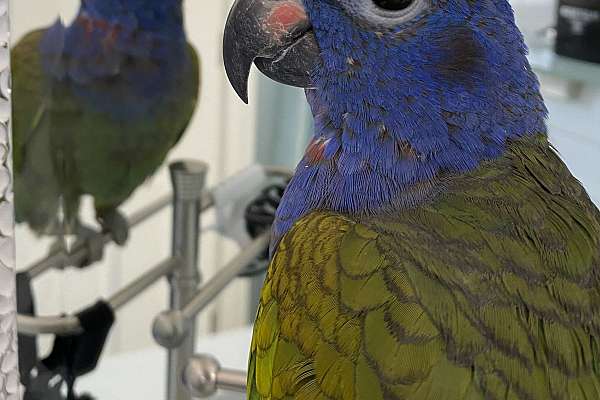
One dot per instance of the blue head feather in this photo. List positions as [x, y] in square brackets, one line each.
[396, 107]
[118, 56]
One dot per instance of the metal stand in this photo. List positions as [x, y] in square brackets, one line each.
[188, 179]
[173, 329]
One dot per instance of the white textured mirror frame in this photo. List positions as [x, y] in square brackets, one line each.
[9, 374]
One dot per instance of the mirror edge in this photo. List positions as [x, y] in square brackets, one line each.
[9, 373]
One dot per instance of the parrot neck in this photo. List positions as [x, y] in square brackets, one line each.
[362, 163]
[398, 114]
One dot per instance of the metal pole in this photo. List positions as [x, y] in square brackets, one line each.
[32, 326]
[188, 179]
[129, 292]
[59, 258]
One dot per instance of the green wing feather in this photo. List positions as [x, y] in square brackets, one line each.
[37, 186]
[488, 292]
[27, 93]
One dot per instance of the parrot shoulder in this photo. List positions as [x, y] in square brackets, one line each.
[339, 318]
[488, 291]
[507, 264]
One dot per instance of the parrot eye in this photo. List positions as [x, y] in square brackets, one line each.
[386, 13]
[393, 5]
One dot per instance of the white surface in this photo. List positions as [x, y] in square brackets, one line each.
[141, 375]
[573, 122]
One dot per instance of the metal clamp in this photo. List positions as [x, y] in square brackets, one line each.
[203, 375]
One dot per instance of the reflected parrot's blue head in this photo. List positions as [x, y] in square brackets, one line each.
[119, 56]
[146, 15]
[402, 91]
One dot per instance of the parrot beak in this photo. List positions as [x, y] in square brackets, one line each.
[274, 34]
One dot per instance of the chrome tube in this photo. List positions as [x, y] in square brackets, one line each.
[136, 287]
[68, 325]
[188, 179]
[59, 259]
[232, 380]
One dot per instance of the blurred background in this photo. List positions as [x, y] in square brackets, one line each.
[273, 129]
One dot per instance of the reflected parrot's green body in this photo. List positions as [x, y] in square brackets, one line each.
[63, 148]
[489, 290]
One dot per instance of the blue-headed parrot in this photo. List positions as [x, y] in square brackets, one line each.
[432, 244]
[98, 104]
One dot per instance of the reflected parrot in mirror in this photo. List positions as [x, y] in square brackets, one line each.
[431, 244]
[98, 105]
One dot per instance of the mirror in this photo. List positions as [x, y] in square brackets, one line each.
[103, 102]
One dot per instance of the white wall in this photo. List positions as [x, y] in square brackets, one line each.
[221, 134]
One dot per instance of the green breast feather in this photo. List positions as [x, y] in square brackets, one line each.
[488, 292]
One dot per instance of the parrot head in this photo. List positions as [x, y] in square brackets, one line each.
[402, 91]
[143, 15]
[119, 56]
[373, 58]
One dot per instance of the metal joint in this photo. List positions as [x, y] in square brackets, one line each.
[171, 327]
[203, 375]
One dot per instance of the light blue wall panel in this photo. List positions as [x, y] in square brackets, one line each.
[284, 124]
